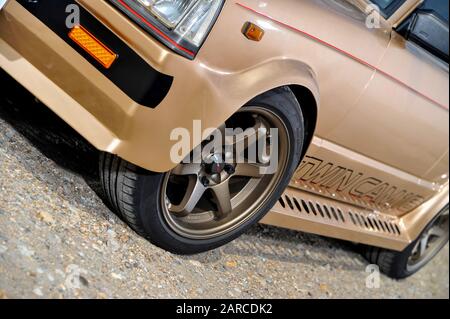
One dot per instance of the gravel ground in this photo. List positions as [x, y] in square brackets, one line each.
[59, 240]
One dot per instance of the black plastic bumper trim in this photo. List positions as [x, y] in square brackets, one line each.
[135, 77]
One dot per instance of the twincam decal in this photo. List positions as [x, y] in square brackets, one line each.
[341, 181]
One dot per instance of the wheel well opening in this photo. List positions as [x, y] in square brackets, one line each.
[308, 105]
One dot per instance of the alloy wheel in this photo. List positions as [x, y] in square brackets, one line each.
[214, 195]
[430, 242]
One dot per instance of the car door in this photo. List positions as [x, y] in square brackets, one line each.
[402, 117]
[394, 143]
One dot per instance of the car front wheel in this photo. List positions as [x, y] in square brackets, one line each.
[202, 205]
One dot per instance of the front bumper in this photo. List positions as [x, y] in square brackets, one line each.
[105, 107]
[228, 71]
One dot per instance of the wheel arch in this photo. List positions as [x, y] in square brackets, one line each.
[294, 74]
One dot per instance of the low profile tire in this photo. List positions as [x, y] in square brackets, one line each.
[399, 265]
[199, 207]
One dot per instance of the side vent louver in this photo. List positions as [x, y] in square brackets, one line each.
[359, 219]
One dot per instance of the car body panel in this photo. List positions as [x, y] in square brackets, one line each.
[394, 143]
[388, 108]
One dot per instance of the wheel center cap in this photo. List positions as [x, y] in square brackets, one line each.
[214, 164]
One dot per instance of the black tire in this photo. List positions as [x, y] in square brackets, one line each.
[394, 263]
[135, 192]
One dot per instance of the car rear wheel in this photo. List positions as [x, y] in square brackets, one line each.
[403, 264]
[202, 205]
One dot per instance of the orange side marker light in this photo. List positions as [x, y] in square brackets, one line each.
[93, 46]
[252, 31]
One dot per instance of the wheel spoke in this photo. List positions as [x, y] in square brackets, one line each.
[437, 231]
[194, 193]
[250, 134]
[423, 245]
[251, 170]
[187, 169]
[222, 196]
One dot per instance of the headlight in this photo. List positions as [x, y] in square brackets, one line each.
[169, 12]
[183, 25]
[196, 23]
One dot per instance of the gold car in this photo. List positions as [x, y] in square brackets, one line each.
[323, 116]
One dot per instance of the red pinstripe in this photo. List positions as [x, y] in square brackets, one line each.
[373, 67]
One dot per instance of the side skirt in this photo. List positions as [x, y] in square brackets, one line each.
[311, 213]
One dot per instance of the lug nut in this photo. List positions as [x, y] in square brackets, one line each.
[230, 169]
[205, 181]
